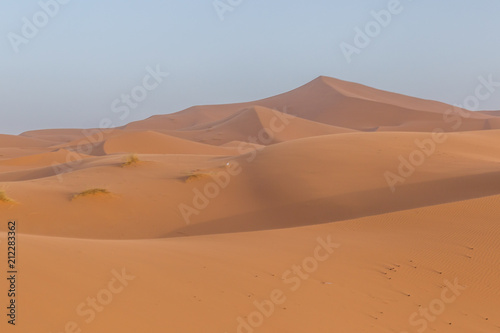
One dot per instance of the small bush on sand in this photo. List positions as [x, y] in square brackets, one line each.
[196, 175]
[131, 160]
[94, 191]
[4, 197]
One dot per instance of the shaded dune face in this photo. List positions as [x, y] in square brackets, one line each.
[332, 207]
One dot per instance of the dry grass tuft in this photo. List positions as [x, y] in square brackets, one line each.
[4, 197]
[131, 160]
[94, 191]
[196, 175]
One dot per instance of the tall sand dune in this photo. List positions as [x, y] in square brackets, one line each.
[338, 103]
[257, 125]
[334, 207]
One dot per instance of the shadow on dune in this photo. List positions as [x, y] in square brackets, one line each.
[352, 205]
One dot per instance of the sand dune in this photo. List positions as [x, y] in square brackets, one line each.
[492, 113]
[364, 283]
[257, 125]
[56, 135]
[225, 207]
[14, 141]
[320, 179]
[345, 104]
[43, 159]
[242, 145]
[187, 118]
[337, 103]
[156, 143]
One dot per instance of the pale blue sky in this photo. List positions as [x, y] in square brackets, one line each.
[91, 52]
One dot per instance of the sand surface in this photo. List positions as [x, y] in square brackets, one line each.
[331, 208]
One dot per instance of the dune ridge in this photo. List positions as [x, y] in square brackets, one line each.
[225, 203]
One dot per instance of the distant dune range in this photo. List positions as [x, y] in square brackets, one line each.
[209, 206]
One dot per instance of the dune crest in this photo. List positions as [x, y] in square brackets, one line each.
[342, 207]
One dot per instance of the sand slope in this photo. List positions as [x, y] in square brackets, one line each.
[299, 182]
[257, 125]
[228, 205]
[338, 103]
[365, 285]
[14, 141]
[156, 143]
